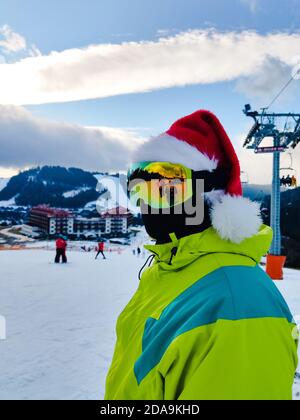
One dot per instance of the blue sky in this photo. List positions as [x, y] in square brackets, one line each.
[67, 24]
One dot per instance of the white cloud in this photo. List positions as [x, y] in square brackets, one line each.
[10, 41]
[266, 81]
[27, 141]
[193, 57]
[13, 46]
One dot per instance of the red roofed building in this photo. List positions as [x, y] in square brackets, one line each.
[52, 221]
[55, 222]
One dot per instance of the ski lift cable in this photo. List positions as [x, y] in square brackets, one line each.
[284, 88]
[289, 166]
[286, 124]
[291, 160]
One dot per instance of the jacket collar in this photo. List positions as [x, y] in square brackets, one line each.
[192, 247]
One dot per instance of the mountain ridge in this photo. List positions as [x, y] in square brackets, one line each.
[50, 185]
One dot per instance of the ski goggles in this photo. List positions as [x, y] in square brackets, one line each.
[160, 185]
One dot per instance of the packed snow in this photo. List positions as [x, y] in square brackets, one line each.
[60, 320]
[18, 237]
[74, 193]
[8, 203]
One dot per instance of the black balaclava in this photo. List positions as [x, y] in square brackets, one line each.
[160, 226]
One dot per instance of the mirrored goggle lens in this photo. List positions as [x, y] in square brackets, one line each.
[147, 170]
[160, 185]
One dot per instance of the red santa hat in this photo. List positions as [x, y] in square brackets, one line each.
[200, 142]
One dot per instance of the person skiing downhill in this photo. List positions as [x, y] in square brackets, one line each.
[100, 250]
[61, 247]
[206, 323]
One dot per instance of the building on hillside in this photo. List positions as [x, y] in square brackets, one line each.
[90, 227]
[117, 220]
[52, 221]
[55, 222]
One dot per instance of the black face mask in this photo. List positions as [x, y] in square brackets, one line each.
[160, 226]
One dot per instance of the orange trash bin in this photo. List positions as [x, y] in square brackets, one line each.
[275, 265]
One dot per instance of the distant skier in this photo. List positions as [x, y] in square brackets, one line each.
[100, 250]
[61, 247]
[138, 251]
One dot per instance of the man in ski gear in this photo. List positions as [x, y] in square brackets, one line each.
[206, 321]
[61, 247]
[100, 250]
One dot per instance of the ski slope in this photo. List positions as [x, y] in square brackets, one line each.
[61, 321]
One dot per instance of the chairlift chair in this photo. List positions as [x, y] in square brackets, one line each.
[289, 172]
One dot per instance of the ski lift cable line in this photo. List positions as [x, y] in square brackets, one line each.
[284, 88]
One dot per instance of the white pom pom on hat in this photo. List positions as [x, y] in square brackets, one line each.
[236, 218]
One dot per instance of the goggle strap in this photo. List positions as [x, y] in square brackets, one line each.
[216, 180]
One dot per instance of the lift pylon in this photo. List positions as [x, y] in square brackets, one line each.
[284, 136]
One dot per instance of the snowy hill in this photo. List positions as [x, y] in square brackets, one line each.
[65, 188]
[3, 183]
[61, 321]
[50, 185]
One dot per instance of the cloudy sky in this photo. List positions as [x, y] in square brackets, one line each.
[82, 82]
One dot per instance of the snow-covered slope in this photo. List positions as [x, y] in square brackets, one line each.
[8, 203]
[3, 183]
[61, 321]
[57, 186]
[74, 193]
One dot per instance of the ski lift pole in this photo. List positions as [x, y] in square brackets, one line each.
[267, 126]
[275, 202]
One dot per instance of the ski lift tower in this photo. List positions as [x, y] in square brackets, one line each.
[284, 130]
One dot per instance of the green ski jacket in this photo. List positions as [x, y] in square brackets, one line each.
[206, 323]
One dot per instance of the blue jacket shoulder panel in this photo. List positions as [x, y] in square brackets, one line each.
[229, 293]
